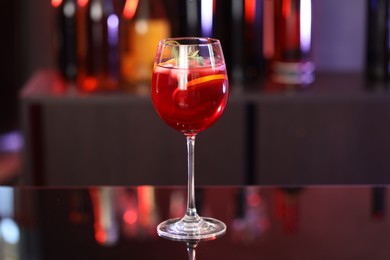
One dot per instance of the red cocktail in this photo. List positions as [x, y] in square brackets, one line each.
[190, 100]
[190, 92]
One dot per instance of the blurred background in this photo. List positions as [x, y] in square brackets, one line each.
[73, 69]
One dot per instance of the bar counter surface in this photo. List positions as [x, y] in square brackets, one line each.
[264, 222]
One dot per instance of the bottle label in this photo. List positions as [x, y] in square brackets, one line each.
[293, 72]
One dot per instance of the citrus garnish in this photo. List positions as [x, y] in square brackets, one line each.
[181, 96]
[170, 62]
[206, 79]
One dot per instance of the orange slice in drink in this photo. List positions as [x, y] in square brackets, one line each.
[206, 79]
[170, 62]
[184, 99]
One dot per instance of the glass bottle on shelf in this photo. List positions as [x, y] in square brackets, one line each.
[291, 63]
[81, 36]
[143, 24]
[102, 53]
[253, 33]
[190, 20]
[377, 41]
[238, 24]
[65, 12]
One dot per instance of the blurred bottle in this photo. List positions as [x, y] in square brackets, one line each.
[81, 39]
[143, 24]
[188, 23]
[377, 41]
[239, 26]
[291, 63]
[236, 38]
[101, 70]
[254, 58]
[65, 12]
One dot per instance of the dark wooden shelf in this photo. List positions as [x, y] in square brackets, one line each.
[334, 132]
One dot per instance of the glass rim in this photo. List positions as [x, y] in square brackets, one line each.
[207, 41]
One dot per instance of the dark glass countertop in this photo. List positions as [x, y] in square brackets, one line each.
[105, 222]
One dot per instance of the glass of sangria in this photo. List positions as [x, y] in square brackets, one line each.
[189, 92]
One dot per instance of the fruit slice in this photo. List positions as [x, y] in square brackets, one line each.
[206, 79]
[186, 98]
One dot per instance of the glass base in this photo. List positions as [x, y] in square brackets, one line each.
[203, 229]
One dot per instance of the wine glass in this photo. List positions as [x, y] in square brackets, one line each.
[189, 93]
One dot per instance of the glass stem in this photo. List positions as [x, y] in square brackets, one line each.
[191, 249]
[191, 214]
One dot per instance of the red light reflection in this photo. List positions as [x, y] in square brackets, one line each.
[89, 84]
[250, 11]
[254, 200]
[286, 8]
[130, 8]
[130, 216]
[82, 3]
[56, 3]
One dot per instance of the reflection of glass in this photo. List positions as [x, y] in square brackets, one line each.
[147, 211]
[191, 249]
[378, 202]
[128, 209]
[10, 237]
[252, 220]
[105, 223]
[287, 208]
[190, 92]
